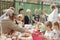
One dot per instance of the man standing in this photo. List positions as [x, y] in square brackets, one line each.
[8, 24]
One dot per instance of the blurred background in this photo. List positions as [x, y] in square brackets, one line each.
[28, 4]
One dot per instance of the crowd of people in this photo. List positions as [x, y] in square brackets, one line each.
[24, 27]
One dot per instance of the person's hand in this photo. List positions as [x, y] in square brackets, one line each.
[26, 35]
[26, 30]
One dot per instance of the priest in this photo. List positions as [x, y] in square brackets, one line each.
[54, 14]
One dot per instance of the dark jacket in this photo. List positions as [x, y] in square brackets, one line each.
[26, 20]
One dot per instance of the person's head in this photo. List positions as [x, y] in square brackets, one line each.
[12, 8]
[48, 25]
[56, 25]
[9, 11]
[28, 11]
[53, 6]
[36, 11]
[20, 17]
[21, 11]
[44, 11]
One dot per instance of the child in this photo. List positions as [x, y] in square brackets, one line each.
[42, 27]
[38, 25]
[19, 21]
[37, 34]
[48, 33]
[56, 31]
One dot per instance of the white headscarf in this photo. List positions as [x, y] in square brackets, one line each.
[7, 11]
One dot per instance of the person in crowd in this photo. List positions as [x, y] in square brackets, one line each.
[5, 15]
[54, 14]
[44, 15]
[42, 27]
[38, 25]
[48, 33]
[21, 12]
[36, 16]
[56, 31]
[8, 24]
[19, 21]
[27, 19]
[37, 33]
[58, 20]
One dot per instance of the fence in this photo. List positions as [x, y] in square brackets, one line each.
[5, 4]
[17, 4]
